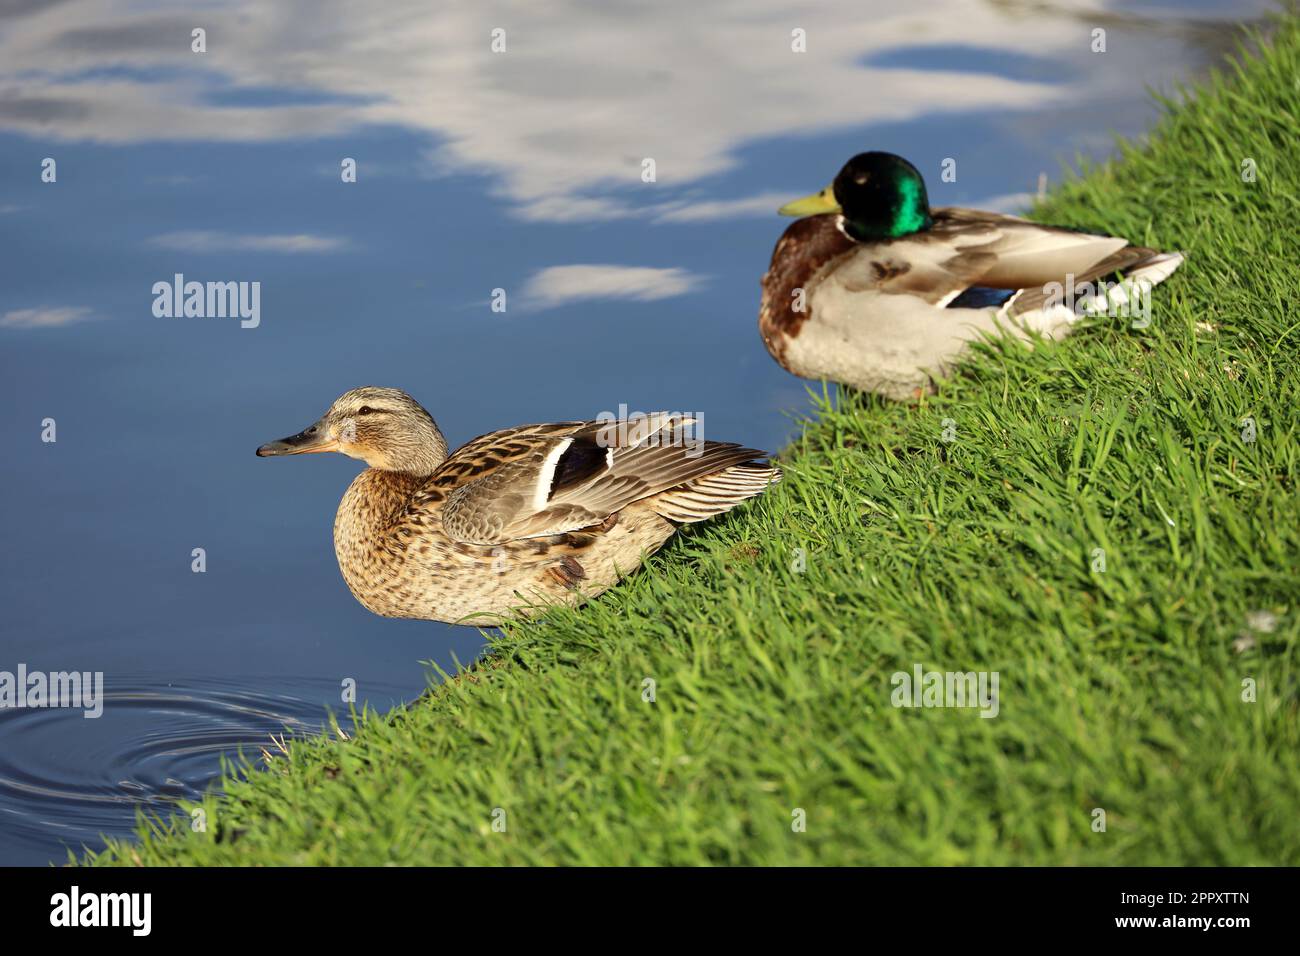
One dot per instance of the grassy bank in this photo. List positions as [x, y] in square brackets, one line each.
[1120, 689]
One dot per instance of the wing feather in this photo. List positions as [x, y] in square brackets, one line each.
[575, 477]
[967, 248]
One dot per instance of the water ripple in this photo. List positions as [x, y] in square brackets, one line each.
[66, 780]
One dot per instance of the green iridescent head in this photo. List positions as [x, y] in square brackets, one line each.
[880, 196]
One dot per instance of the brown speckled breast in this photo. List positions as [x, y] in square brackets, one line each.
[807, 247]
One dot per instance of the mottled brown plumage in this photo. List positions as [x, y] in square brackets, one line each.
[515, 520]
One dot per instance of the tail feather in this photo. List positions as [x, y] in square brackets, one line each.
[716, 493]
[1133, 263]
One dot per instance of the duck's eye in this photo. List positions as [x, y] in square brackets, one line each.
[364, 410]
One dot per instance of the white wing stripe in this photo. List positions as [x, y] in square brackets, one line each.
[547, 475]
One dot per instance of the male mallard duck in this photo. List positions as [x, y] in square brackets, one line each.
[879, 291]
[515, 519]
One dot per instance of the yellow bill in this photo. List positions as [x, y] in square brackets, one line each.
[813, 205]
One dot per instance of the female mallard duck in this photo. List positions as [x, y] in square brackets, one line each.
[879, 291]
[516, 519]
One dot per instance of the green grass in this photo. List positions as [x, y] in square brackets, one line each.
[1120, 690]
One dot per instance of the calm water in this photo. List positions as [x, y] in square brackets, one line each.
[475, 171]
